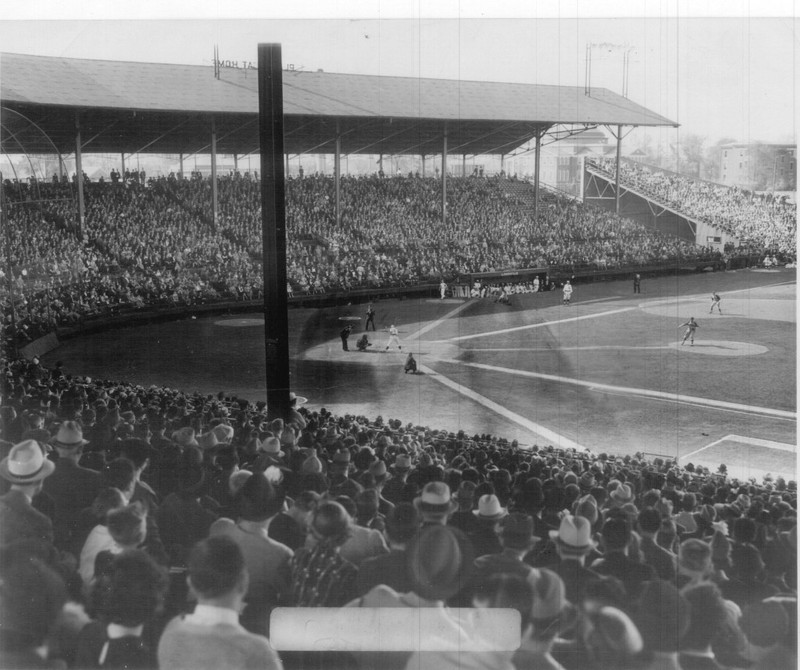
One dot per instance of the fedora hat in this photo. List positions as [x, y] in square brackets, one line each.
[437, 561]
[296, 399]
[185, 437]
[26, 464]
[549, 594]
[377, 468]
[224, 432]
[489, 508]
[435, 499]
[69, 436]
[622, 494]
[574, 535]
[402, 462]
[208, 440]
[272, 445]
[517, 531]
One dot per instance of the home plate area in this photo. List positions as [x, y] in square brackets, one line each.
[756, 457]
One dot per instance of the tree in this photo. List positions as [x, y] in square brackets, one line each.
[692, 159]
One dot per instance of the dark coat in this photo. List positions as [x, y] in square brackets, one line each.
[19, 520]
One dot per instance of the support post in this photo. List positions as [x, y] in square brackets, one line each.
[236, 162]
[214, 193]
[337, 173]
[122, 161]
[616, 176]
[463, 165]
[180, 162]
[9, 268]
[422, 157]
[537, 166]
[273, 212]
[444, 176]
[79, 174]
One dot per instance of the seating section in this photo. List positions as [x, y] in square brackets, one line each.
[759, 221]
[154, 244]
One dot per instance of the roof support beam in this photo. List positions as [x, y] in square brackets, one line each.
[618, 135]
[214, 191]
[79, 173]
[337, 174]
[537, 172]
[444, 175]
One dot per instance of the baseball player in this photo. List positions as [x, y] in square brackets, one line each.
[567, 293]
[393, 339]
[715, 302]
[691, 326]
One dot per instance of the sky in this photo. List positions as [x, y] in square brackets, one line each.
[721, 70]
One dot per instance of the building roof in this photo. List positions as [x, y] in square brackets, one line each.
[164, 108]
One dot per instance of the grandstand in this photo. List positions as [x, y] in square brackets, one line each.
[664, 474]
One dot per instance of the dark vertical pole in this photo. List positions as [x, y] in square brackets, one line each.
[616, 177]
[214, 192]
[337, 176]
[79, 174]
[444, 176]
[9, 266]
[537, 166]
[273, 208]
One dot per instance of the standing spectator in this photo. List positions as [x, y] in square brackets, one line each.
[212, 637]
[25, 468]
[72, 487]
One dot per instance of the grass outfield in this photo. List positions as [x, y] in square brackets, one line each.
[606, 372]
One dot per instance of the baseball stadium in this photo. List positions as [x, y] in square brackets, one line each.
[278, 384]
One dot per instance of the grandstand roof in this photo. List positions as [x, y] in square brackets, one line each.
[162, 108]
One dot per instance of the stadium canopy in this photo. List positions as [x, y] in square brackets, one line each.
[128, 107]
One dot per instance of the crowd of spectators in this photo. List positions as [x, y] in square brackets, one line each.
[759, 221]
[145, 527]
[155, 244]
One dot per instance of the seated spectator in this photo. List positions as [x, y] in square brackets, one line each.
[127, 600]
[363, 542]
[290, 526]
[662, 617]
[99, 538]
[708, 618]
[267, 561]
[402, 526]
[320, 576]
[31, 599]
[212, 637]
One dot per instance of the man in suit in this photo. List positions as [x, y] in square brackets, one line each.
[663, 562]
[71, 486]
[25, 468]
